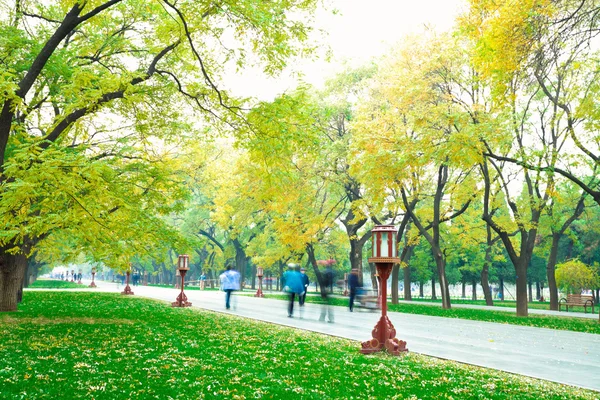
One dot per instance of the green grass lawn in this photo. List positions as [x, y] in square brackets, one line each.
[541, 321]
[55, 284]
[62, 345]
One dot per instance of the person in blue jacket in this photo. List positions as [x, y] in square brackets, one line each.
[293, 285]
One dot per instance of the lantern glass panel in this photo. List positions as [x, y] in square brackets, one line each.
[384, 245]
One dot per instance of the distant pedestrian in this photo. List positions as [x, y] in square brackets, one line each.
[230, 281]
[353, 285]
[293, 286]
[326, 308]
[202, 281]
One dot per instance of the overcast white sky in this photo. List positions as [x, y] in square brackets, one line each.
[362, 29]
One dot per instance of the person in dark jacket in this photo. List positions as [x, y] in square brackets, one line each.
[353, 285]
[305, 282]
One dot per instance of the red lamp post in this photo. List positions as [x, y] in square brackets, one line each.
[384, 256]
[259, 275]
[93, 284]
[183, 263]
[127, 289]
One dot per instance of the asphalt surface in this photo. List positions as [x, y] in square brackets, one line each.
[560, 356]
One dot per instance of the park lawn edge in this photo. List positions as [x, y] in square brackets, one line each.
[281, 363]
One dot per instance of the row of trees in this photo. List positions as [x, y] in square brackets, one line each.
[479, 144]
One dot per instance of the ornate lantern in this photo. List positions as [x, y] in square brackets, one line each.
[384, 256]
[183, 262]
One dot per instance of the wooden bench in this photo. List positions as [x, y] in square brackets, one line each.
[583, 300]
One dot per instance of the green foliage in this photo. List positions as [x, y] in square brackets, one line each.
[573, 276]
[63, 345]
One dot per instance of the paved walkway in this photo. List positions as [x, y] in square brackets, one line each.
[561, 356]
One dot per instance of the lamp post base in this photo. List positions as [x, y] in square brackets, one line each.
[127, 290]
[181, 301]
[259, 293]
[92, 284]
[384, 337]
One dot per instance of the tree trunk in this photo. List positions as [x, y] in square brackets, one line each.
[551, 272]
[444, 289]
[241, 260]
[373, 277]
[485, 274]
[522, 308]
[501, 289]
[464, 289]
[395, 279]
[537, 291]
[407, 283]
[530, 291]
[421, 295]
[433, 296]
[474, 290]
[12, 271]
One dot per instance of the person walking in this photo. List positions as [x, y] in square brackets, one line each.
[353, 285]
[202, 281]
[230, 281]
[305, 283]
[293, 286]
[326, 308]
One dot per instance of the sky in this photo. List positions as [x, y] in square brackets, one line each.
[360, 31]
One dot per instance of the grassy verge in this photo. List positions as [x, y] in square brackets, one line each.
[540, 321]
[105, 346]
[187, 287]
[55, 284]
[544, 305]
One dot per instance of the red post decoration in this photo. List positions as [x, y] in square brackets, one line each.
[93, 276]
[183, 262]
[384, 257]
[259, 275]
[127, 289]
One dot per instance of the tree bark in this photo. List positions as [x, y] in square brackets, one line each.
[12, 271]
[407, 279]
[474, 286]
[464, 289]
[530, 291]
[433, 296]
[421, 294]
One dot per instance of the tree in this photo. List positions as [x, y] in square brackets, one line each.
[106, 80]
[574, 276]
[424, 134]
